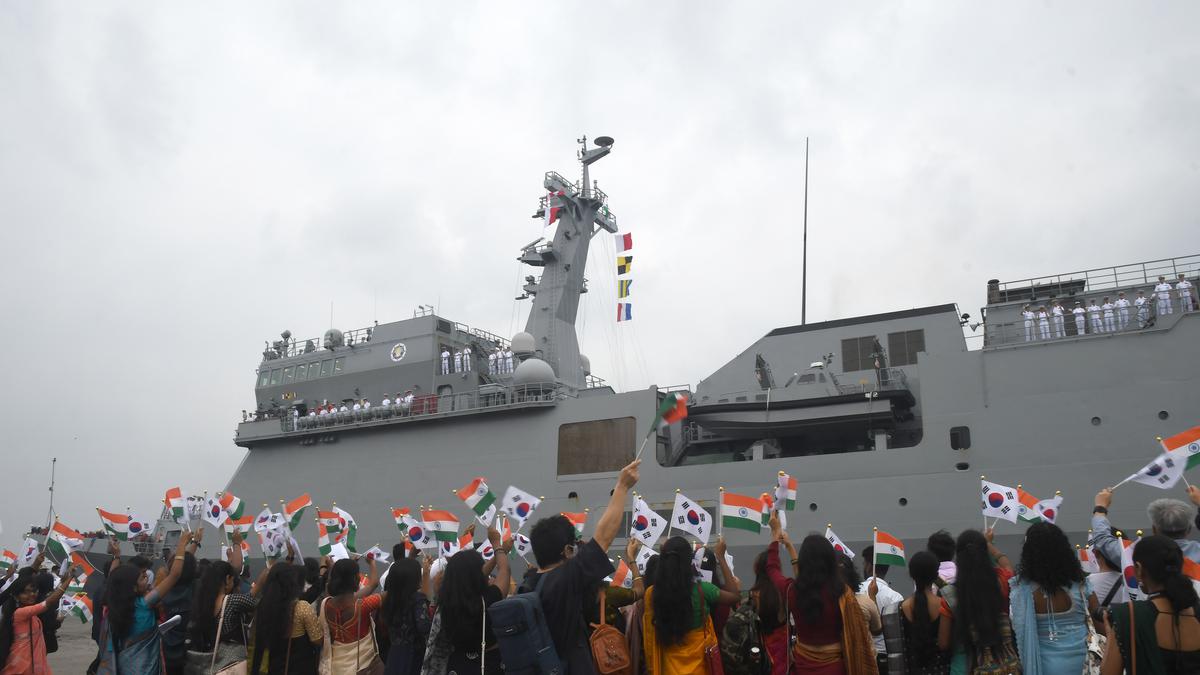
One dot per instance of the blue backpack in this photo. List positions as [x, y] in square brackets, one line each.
[519, 625]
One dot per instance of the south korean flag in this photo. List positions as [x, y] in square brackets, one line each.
[646, 526]
[644, 555]
[1000, 501]
[519, 505]
[691, 518]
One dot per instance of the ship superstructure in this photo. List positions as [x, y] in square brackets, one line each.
[886, 420]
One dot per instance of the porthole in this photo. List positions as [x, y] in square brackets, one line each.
[812, 506]
[572, 495]
[1095, 421]
[962, 466]
[904, 501]
[1163, 414]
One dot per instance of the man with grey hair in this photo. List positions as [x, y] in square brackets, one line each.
[1168, 517]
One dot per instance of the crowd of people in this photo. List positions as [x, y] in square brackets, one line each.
[807, 609]
[1112, 314]
[499, 360]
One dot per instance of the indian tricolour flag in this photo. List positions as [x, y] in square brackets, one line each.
[443, 525]
[768, 507]
[174, 500]
[1087, 560]
[888, 550]
[480, 499]
[623, 577]
[243, 525]
[331, 521]
[1186, 445]
[1027, 510]
[116, 524]
[63, 540]
[232, 505]
[85, 568]
[579, 520]
[741, 512]
[785, 492]
[347, 529]
[81, 606]
[7, 560]
[672, 409]
[324, 546]
[294, 510]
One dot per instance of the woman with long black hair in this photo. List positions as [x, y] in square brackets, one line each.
[405, 615]
[218, 605]
[677, 625]
[830, 634]
[772, 615]
[286, 632]
[919, 618]
[22, 624]
[459, 640]
[1161, 634]
[1050, 599]
[349, 612]
[129, 618]
[974, 609]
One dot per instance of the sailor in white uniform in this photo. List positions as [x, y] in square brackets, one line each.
[1056, 313]
[466, 356]
[1122, 311]
[1094, 315]
[1162, 291]
[1184, 288]
[1142, 303]
[1043, 323]
[1028, 316]
[508, 360]
[1110, 319]
[492, 363]
[1079, 312]
[445, 361]
[357, 410]
[457, 361]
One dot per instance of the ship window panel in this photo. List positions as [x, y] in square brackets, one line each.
[264, 377]
[326, 368]
[960, 438]
[337, 365]
[903, 347]
[288, 374]
[856, 354]
[596, 446]
[275, 377]
[301, 371]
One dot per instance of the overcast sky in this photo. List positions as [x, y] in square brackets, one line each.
[180, 182]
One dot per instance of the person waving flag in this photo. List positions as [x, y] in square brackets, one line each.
[232, 505]
[294, 510]
[479, 497]
[519, 505]
[888, 550]
[115, 524]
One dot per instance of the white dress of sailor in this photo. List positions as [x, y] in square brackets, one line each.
[1122, 313]
[1110, 319]
[1079, 312]
[1094, 315]
[457, 361]
[357, 410]
[492, 363]
[1142, 304]
[1028, 325]
[1163, 292]
[466, 359]
[1043, 324]
[508, 361]
[1057, 314]
[445, 362]
[1184, 288]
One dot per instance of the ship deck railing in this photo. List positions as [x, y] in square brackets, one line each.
[1098, 279]
[488, 397]
[887, 379]
[1010, 333]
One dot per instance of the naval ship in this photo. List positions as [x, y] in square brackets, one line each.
[886, 420]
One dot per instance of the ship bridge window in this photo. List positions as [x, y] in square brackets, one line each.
[275, 377]
[288, 374]
[301, 371]
[596, 446]
[326, 367]
[903, 347]
[264, 377]
[858, 353]
[337, 365]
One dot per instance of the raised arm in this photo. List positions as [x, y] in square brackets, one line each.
[631, 552]
[610, 521]
[426, 586]
[731, 591]
[1000, 557]
[1102, 536]
[494, 539]
[372, 579]
[168, 582]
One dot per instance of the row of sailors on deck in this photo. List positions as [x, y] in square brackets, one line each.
[500, 361]
[1109, 317]
[361, 409]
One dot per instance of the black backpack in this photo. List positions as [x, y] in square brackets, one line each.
[742, 649]
[519, 625]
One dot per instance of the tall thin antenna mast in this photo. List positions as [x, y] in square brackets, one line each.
[804, 245]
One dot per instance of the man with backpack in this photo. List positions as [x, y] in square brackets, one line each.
[566, 570]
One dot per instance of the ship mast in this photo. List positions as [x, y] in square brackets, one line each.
[582, 211]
